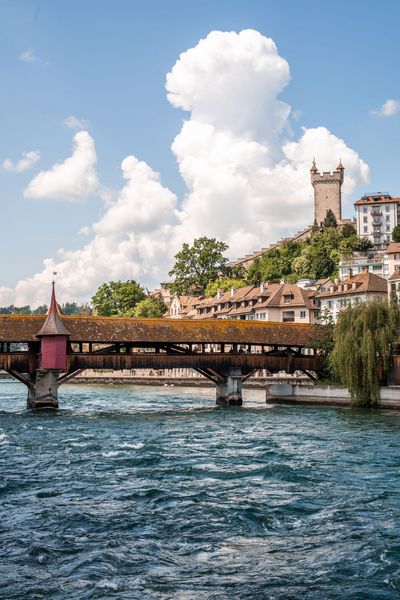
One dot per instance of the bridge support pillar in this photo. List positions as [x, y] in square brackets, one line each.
[43, 392]
[229, 391]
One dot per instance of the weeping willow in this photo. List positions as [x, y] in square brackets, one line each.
[360, 358]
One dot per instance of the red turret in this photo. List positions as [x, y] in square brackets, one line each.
[54, 337]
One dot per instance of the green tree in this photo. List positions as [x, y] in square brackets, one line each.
[116, 298]
[275, 264]
[360, 358]
[198, 265]
[396, 234]
[319, 255]
[330, 219]
[224, 284]
[40, 310]
[348, 230]
[148, 308]
[354, 244]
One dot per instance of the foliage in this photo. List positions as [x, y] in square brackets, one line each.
[198, 265]
[23, 310]
[361, 355]
[330, 219]
[353, 243]
[116, 298]
[224, 284]
[348, 230]
[148, 308]
[275, 264]
[72, 308]
[319, 255]
[396, 234]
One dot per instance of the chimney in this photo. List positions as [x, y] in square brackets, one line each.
[336, 282]
[349, 273]
[233, 291]
[219, 294]
[262, 288]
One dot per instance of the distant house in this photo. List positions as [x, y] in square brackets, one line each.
[183, 307]
[281, 302]
[362, 287]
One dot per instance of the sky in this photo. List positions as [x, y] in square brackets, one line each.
[130, 127]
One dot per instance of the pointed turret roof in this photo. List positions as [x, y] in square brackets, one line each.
[340, 167]
[53, 324]
[314, 167]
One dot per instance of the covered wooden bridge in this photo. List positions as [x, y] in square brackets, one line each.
[44, 352]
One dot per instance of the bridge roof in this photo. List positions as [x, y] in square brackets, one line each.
[18, 328]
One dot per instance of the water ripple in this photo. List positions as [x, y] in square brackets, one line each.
[141, 493]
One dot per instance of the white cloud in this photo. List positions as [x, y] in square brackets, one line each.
[248, 183]
[29, 56]
[388, 109]
[133, 239]
[73, 179]
[75, 123]
[7, 296]
[26, 162]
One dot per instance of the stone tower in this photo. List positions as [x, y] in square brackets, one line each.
[327, 192]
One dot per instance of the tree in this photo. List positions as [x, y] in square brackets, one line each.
[360, 358]
[116, 298]
[198, 265]
[330, 219]
[348, 230]
[354, 244]
[275, 264]
[396, 234]
[149, 308]
[319, 255]
[224, 284]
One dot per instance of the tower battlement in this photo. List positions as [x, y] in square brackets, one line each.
[327, 192]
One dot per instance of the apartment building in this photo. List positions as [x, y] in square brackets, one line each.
[362, 287]
[287, 303]
[377, 215]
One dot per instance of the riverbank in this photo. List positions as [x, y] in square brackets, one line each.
[328, 395]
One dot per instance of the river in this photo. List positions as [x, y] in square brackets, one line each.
[155, 493]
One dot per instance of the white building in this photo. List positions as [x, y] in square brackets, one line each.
[363, 287]
[377, 215]
[373, 261]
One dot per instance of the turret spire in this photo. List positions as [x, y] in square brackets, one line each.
[53, 324]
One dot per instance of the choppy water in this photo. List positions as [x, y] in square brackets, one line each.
[143, 493]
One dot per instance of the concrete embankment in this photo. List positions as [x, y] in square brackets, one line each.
[325, 395]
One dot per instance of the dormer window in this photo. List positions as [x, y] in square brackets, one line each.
[287, 298]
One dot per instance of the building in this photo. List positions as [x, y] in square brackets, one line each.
[327, 192]
[377, 215]
[373, 261]
[183, 307]
[280, 302]
[362, 287]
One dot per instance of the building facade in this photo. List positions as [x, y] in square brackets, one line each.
[285, 303]
[363, 287]
[377, 215]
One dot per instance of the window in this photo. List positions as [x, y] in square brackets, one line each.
[302, 314]
[316, 314]
[287, 298]
[387, 227]
[288, 316]
[365, 209]
[387, 217]
[365, 229]
[387, 207]
[365, 219]
[329, 303]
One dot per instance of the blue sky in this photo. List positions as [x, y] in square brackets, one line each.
[106, 63]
